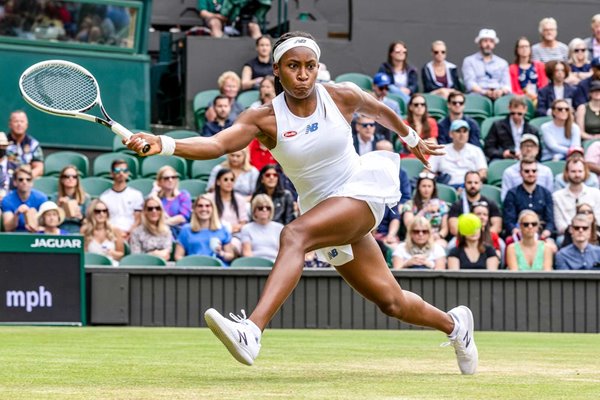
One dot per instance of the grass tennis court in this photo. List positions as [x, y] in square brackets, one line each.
[185, 363]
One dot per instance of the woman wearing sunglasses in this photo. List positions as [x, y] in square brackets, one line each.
[471, 252]
[581, 67]
[529, 253]
[245, 174]
[419, 251]
[425, 203]
[440, 77]
[269, 183]
[153, 236]
[560, 134]
[176, 203]
[99, 235]
[260, 238]
[71, 196]
[419, 119]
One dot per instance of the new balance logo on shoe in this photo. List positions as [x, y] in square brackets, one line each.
[242, 336]
[467, 339]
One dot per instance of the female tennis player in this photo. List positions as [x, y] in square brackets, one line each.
[342, 196]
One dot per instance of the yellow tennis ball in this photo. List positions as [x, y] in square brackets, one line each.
[468, 224]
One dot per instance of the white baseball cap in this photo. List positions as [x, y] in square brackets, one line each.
[487, 34]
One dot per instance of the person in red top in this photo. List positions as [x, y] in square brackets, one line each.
[417, 117]
[527, 77]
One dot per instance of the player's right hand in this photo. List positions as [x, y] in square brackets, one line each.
[138, 140]
[426, 147]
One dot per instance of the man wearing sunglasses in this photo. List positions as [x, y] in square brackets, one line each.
[124, 203]
[7, 168]
[504, 139]
[365, 139]
[20, 201]
[381, 87]
[456, 108]
[580, 254]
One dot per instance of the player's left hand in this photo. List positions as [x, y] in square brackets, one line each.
[426, 147]
[136, 143]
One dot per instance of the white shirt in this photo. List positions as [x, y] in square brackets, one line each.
[516, 131]
[565, 204]
[365, 147]
[435, 253]
[122, 206]
[457, 163]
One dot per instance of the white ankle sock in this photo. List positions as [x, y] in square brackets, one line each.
[454, 332]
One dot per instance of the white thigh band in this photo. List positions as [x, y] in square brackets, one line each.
[296, 42]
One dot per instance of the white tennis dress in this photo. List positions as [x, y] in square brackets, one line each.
[317, 154]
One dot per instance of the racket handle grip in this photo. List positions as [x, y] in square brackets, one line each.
[125, 134]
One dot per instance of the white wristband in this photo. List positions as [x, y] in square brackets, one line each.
[412, 139]
[167, 144]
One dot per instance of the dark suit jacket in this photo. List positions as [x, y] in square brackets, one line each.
[546, 97]
[500, 138]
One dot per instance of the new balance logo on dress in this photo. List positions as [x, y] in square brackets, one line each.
[311, 128]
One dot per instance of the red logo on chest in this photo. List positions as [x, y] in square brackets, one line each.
[290, 134]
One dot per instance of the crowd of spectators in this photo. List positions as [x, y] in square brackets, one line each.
[540, 220]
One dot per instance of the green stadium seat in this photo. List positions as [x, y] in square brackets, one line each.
[557, 167]
[486, 125]
[199, 261]
[201, 168]
[250, 262]
[398, 99]
[436, 105]
[200, 104]
[96, 259]
[95, 185]
[477, 106]
[55, 162]
[151, 165]
[142, 260]
[46, 184]
[102, 164]
[195, 187]
[501, 106]
[181, 134]
[363, 81]
[446, 193]
[496, 169]
[412, 166]
[248, 97]
[493, 193]
[144, 185]
[539, 121]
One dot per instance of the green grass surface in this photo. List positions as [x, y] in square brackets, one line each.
[184, 363]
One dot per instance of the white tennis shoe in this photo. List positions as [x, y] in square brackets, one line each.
[464, 341]
[242, 341]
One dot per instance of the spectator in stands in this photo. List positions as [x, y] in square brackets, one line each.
[580, 254]
[529, 195]
[229, 85]
[592, 43]
[72, 197]
[419, 119]
[365, 139]
[245, 174]
[460, 157]
[209, 12]
[527, 76]
[50, 217]
[386, 233]
[153, 235]
[592, 158]
[472, 253]
[205, 235]
[259, 153]
[125, 203]
[549, 49]
[561, 133]
[559, 179]
[456, 108]
[482, 210]
[581, 68]
[381, 87]
[426, 203]
[255, 70]
[222, 119]
[588, 116]
[484, 72]
[439, 76]
[403, 76]
[530, 151]
[23, 200]
[266, 91]
[471, 195]
[583, 88]
[504, 138]
[7, 168]
[420, 250]
[22, 148]
[284, 204]
[176, 203]
[260, 238]
[557, 89]
[99, 235]
[529, 253]
[565, 200]
[588, 211]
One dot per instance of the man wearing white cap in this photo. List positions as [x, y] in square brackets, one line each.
[484, 72]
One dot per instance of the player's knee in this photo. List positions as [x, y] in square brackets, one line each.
[292, 235]
[390, 306]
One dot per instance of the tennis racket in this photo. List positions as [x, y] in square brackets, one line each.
[66, 89]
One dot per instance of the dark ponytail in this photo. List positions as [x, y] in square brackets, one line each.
[283, 38]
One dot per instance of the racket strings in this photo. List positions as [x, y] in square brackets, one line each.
[61, 88]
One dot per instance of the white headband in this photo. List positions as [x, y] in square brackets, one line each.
[296, 42]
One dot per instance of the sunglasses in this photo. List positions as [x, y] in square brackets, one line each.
[271, 175]
[368, 125]
[580, 228]
[418, 104]
[457, 103]
[420, 231]
[383, 87]
[530, 171]
[69, 176]
[529, 224]
[427, 175]
[520, 114]
[123, 170]
[101, 211]
[579, 50]
[561, 109]
[586, 212]
[439, 52]
[263, 208]
[169, 178]
[203, 206]
[24, 179]
[155, 208]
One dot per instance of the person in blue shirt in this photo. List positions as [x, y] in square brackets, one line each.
[17, 203]
[205, 235]
[580, 254]
[456, 108]
[222, 120]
